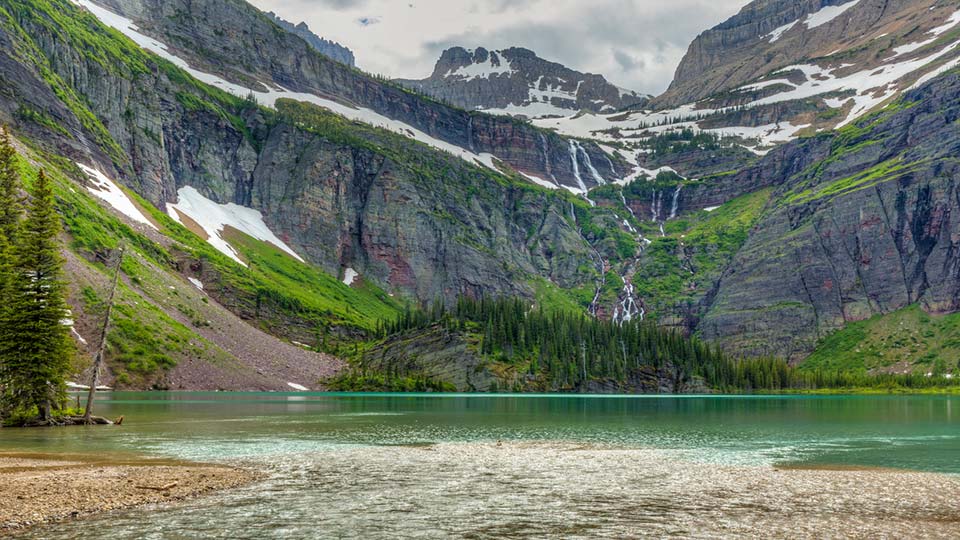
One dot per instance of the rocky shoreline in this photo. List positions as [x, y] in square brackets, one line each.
[43, 488]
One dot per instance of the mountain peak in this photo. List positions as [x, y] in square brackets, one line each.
[325, 47]
[517, 81]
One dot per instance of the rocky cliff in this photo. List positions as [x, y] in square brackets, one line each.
[518, 82]
[263, 56]
[330, 49]
[867, 230]
[410, 218]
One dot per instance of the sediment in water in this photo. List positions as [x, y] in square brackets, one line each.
[42, 488]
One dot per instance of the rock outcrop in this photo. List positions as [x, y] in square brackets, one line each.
[518, 82]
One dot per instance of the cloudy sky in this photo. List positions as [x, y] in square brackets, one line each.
[636, 44]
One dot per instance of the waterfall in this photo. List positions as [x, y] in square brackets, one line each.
[576, 166]
[546, 159]
[593, 171]
[676, 203]
[470, 135]
[656, 205]
[629, 307]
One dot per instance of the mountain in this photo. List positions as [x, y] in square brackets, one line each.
[781, 69]
[273, 63]
[517, 82]
[263, 218]
[280, 206]
[330, 49]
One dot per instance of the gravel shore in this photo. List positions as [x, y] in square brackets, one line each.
[43, 488]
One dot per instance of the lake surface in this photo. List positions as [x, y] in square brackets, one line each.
[433, 466]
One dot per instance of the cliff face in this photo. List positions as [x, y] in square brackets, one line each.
[328, 48]
[237, 42]
[407, 217]
[518, 82]
[868, 230]
[771, 34]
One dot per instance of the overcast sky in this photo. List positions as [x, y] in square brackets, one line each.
[636, 44]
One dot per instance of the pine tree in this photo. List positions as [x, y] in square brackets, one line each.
[37, 342]
[10, 213]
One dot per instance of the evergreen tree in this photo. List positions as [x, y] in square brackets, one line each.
[37, 342]
[10, 211]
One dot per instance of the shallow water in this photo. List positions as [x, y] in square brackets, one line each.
[429, 466]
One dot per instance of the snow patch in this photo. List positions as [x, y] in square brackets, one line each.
[349, 276]
[827, 14]
[779, 32]
[298, 387]
[75, 386]
[711, 208]
[213, 218]
[77, 335]
[483, 70]
[196, 283]
[108, 191]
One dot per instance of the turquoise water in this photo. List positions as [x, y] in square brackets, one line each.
[331, 456]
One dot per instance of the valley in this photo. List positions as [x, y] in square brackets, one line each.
[277, 199]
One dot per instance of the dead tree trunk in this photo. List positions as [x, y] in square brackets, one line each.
[98, 360]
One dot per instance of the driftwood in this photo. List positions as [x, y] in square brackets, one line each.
[69, 421]
[167, 487]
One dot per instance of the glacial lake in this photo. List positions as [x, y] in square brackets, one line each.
[510, 466]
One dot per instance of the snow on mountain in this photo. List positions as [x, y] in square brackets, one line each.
[517, 82]
[827, 14]
[274, 93]
[108, 191]
[214, 218]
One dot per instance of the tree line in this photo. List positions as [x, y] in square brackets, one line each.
[35, 346]
[570, 349]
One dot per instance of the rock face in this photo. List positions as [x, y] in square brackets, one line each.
[436, 353]
[328, 48]
[868, 230]
[771, 34]
[237, 42]
[518, 82]
[412, 219]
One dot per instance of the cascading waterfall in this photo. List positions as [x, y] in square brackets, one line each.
[601, 266]
[656, 205]
[593, 171]
[676, 203]
[470, 135]
[629, 307]
[576, 166]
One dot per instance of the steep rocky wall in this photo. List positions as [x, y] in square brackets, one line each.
[207, 33]
[432, 228]
[870, 229]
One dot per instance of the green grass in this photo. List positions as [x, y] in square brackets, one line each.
[887, 170]
[679, 269]
[298, 287]
[908, 339]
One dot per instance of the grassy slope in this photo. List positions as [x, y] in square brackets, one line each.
[906, 340]
[147, 336]
[679, 269]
